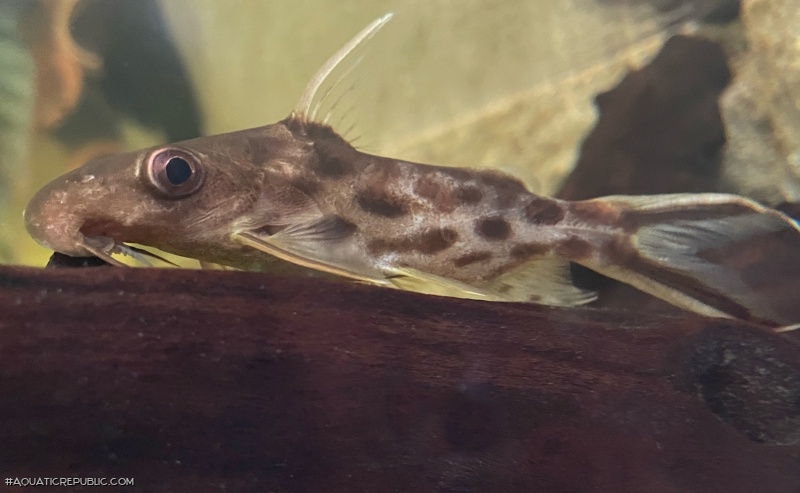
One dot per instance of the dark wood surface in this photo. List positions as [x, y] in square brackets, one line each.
[232, 381]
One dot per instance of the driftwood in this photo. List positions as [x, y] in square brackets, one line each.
[212, 381]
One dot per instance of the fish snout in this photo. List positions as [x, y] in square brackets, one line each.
[54, 223]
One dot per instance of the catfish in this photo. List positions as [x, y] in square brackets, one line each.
[298, 191]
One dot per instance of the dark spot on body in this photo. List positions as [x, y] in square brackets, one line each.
[543, 211]
[429, 242]
[381, 203]
[427, 188]
[322, 132]
[440, 195]
[502, 181]
[382, 246]
[574, 248]
[507, 188]
[472, 258]
[336, 158]
[457, 174]
[469, 194]
[436, 240]
[384, 170]
[493, 228]
[334, 167]
[527, 250]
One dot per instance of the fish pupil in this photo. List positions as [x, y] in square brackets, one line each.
[178, 171]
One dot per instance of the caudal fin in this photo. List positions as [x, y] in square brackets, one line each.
[714, 254]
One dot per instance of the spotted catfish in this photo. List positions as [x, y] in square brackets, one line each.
[298, 191]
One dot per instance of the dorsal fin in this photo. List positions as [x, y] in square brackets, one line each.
[303, 108]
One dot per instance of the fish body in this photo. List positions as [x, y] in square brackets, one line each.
[298, 191]
[465, 224]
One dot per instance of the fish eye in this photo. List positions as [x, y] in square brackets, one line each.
[174, 172]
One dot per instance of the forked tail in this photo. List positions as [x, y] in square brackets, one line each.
[714, 254]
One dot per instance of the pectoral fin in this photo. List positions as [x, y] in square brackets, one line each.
[323, 244]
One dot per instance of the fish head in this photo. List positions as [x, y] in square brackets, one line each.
[182, 197]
